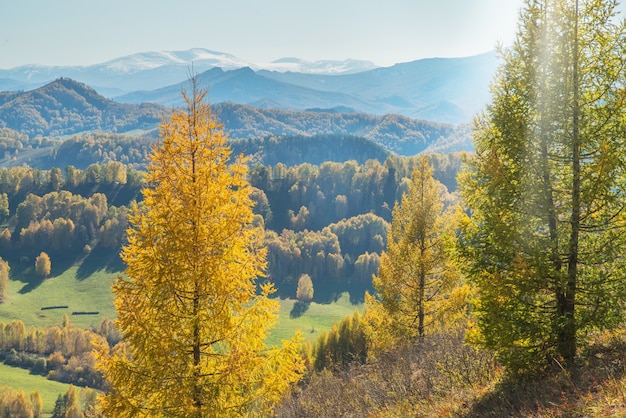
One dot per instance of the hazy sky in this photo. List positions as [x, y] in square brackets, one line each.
[83, 32]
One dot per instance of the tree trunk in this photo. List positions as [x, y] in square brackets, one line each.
[567, 336]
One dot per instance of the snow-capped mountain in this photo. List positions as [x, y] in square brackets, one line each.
[150, 70]
[198, 57]
[205, 59]
[438, 89]
[325, 67]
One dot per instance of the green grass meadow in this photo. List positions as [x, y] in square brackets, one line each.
[316, 319]
[85, 289]
[89, 294]
[17, 378]
[89, 290]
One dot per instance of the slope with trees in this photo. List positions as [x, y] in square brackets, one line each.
[65, 107]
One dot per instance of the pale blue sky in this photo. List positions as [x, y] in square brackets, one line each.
[83, 32]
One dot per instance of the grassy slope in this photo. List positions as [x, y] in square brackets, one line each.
[92, 293]
[21, 379]
[316, 319]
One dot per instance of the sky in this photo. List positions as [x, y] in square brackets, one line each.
[85, 32]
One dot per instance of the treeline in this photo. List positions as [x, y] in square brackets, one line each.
[316, 149]
[83, 150]
[311, 197]
[62, 352]
[328, 221]
[65, 211]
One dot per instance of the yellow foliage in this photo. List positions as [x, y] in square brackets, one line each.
[42, 265]
[192, 321]
[418, 286]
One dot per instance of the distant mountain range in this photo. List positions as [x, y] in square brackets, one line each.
[438, 89]
[152, 70]
[65, 107]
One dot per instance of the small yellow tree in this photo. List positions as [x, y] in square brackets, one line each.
[417, 285]
[43, 265]
[192, 321]
[304, 292]
[37, 403]
[4, 279]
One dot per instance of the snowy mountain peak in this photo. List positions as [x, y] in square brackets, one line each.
[198, 57]
[203, 59]
[329, 67]
[151, 70]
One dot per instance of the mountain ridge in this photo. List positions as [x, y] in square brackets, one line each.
[67, 107]
[440, 89]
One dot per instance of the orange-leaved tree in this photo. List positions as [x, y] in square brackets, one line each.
[192, 317]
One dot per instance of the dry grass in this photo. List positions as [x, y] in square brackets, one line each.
[446, 378]
[419, 380]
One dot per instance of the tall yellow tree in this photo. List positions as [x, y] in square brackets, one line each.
[417, 285]
[192, 318]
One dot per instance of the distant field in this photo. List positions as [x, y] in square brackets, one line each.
[317, 318]
[89, 294]
[21, 379]
[93, 293]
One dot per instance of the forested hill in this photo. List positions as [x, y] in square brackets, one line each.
[397, 133]
[83, 150]
[66, 107]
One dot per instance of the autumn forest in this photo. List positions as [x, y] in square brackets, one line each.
[487, 282]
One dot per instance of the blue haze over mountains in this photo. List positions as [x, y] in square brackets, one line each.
[448, 90]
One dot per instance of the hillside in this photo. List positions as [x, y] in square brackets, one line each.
[65, 107]
[396, 133]
[248, 87]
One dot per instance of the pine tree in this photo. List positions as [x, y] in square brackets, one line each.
[192, 321]
[544, 243]
[59, 408]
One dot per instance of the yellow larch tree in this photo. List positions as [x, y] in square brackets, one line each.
[418, 287]
[191, 311]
